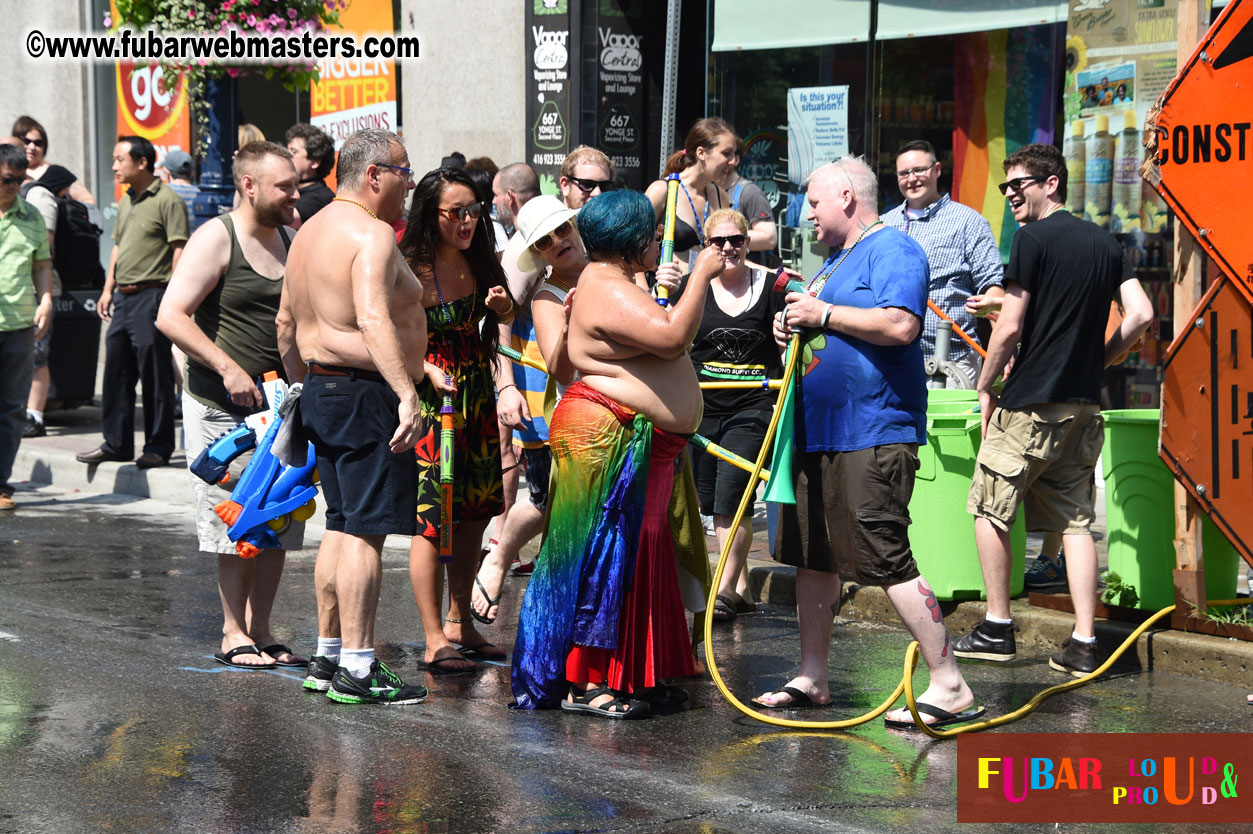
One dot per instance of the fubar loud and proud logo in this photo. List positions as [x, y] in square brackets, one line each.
[1103, 777]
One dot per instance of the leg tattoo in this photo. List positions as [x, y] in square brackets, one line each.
[932, 604]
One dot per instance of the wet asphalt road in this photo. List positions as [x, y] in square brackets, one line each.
[114, 716]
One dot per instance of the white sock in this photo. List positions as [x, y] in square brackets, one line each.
[989, 618]
[357, 661]
[329, 647]
[1075, 636]
[37, 416]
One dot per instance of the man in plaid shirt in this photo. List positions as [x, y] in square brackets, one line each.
[960, 248]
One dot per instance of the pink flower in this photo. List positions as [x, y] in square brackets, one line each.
[275, 20]
[263, 27]
[108, 21]
[251, 20]
[191, 14]
[226, 7]
[291, 14]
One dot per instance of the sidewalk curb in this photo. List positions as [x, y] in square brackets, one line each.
[1206, 657]
[45, 464]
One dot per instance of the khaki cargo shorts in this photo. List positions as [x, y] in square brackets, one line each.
[1043, 457]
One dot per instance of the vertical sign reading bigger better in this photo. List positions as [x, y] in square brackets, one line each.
[356, 93]
[548, 89]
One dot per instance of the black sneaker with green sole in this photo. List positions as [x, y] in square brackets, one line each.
[319, 674]
[380, 686]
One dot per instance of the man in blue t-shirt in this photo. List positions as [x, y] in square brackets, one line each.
[861, 416]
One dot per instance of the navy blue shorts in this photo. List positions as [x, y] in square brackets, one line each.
[369, 490]
[720, 485]
[539, 467]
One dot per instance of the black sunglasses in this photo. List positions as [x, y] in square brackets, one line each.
[735, 240]
[592, 185]
[560, 233]
[10, 180]
[1019, 183]
[38, 143]
[460, 214]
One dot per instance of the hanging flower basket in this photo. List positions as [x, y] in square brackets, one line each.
[269, 18]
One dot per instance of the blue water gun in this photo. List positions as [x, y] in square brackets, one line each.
[214, 461]
[270, 494]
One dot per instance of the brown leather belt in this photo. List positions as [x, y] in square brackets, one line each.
[131, 289]
[318, 369]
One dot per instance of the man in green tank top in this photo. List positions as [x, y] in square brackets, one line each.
[220, 309]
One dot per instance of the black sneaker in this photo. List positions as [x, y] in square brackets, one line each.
[33, 428]
[320, 672]
[1076, 657]
[380, 686]
[988, 641]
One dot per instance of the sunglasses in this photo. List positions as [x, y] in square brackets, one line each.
[38, 143]
[474, 210]
[407, 173]
[588, 186]
[1019, 183]
[10, 180]
[736, 241]
[913, 172]
[560, 233]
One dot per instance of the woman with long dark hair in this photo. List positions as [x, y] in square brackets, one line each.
[704, 161]
[450, 246]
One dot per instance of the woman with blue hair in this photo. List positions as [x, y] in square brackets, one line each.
[602, 624]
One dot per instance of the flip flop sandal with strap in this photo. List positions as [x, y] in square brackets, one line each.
[490, 602]
[582, 703]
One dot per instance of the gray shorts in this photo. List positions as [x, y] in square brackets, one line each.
[203, 424]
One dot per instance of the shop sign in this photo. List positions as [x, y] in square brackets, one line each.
[1207, 410]
[548, 90]
[1205, 143]
[620, 92]
[353, 94]
[151, 104]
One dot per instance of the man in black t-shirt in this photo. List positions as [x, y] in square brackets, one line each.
[313, 154]
[1041, 444]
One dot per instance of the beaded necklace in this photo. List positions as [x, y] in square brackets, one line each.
[819, 281]
[444, 304]
[361, 206]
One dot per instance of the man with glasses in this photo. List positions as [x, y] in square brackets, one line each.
[351, 316]
[313, 154]
[25, 305]
[1041, 438]
[585, 173]
[963, 257]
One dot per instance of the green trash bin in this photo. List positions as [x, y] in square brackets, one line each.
[952, 401]
[1140, 516]
[943, 533]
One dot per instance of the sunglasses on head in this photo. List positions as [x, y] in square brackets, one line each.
[1019, 183]
[735, 240]
[588, 186]
[560, 233]
[460, 214]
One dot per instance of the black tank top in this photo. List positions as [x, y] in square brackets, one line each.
[238, 316]
[739, 346]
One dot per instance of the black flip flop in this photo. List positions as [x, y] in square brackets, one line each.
[490, 602]
[228, 658]
[943, 717]
[476, 652]
[800, 700]
[724, 610]
[436, 667]
[279, 648]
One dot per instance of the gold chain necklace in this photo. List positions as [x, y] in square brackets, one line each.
[825, 274]
[361, 206]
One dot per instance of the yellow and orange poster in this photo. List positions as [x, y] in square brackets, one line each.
[356, 93]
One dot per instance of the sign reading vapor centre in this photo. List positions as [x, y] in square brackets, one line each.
[1205, 143]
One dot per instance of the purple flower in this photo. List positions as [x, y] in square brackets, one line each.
[291, 14]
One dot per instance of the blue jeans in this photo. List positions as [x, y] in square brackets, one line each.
[16, 347]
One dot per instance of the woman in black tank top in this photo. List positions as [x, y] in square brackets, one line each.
[734, 342]
[701, 165]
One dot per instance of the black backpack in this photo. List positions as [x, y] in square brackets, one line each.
[76, 246]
